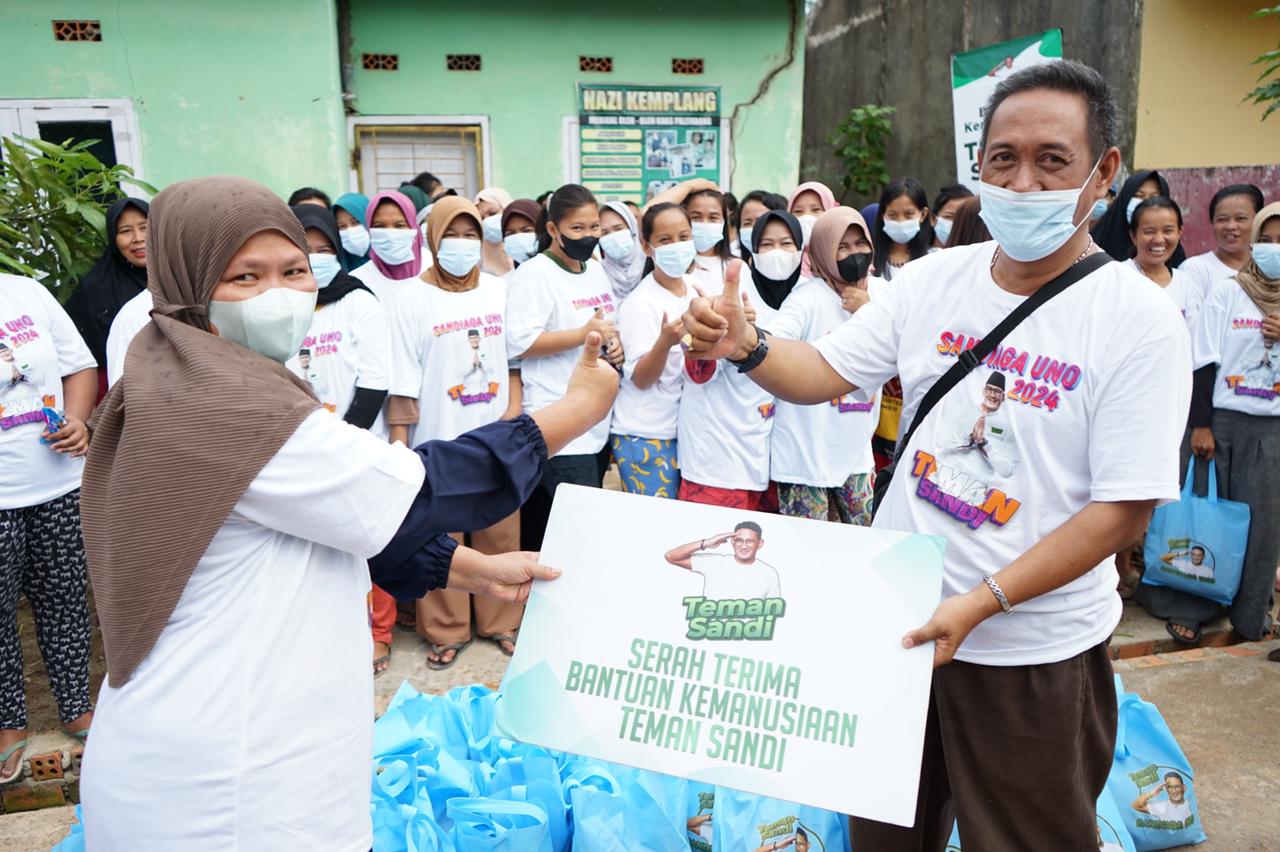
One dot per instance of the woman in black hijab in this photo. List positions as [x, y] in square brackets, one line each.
[118, 276]
[1112, 231]
[773, 290]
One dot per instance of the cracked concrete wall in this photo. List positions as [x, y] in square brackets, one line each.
[898, 53]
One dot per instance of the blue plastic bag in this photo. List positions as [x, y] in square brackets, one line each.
[1197, 544]
[636, 810]
[484, 824]
[744, 821]
[1151, 782]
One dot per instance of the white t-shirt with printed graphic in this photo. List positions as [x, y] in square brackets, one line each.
[547, 297]
[1228, 333]
[1203, 273]
[722, 439]
[348, 345]
[725, 578]
[1073, 374]
[40, 345]
[1181, 289]
[451, 356]
[820, 445]
[652, 412]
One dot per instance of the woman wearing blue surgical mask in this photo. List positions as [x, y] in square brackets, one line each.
[945, 206]
[620, 251]
[230, 524]
[647, 410]
[709, 215]
[395, 247]
[450, 376]
[490, 202]
[902, 232]
[754, 205]
[1111, 233]
[349, 212]
[1235, 421]
[346, 361]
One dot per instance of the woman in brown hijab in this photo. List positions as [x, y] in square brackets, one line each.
[450, 376]
[217, 488]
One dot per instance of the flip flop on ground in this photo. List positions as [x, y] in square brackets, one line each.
[1183, 632]
[435, 654]
[506, 642]
[19, 747]
[382, 662]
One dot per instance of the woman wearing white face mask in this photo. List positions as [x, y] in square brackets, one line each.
[725, 418]
[945, 206]
[519, 234]
[227, 520]
[902, 232]
[647, 410]
[346, 361]
[1235, 421]
[491, 201]
[820, 455]
[349, 212]
[624, 260]
[450, 376]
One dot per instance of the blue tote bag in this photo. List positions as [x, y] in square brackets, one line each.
[1151, 782]
[1197, 544]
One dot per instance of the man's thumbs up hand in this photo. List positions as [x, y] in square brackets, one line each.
[715, 328]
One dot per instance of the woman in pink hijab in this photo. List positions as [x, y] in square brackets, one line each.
[807, 202]
[395, 243]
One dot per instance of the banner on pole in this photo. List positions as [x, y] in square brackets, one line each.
[732, 648]
[974, 75]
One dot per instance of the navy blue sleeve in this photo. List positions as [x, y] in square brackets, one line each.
[364, 407]
[1202, 396]
[471, 482]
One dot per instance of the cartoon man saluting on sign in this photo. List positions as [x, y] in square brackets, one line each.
[736, 576]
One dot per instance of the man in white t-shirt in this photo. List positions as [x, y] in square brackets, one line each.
[1029, 588]
[1174, 809]
[981, 447]
[476, 379]
[730, 576]
[14, 374]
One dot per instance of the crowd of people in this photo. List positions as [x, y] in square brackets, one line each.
[435, 318]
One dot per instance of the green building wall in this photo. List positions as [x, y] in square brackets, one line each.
[255, 88]
[241, 87]
[530, 53]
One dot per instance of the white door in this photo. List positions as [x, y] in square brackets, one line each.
[387, 155]
[109, 121]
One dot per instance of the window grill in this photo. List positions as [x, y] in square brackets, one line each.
[596, 64]
[462, 62]
[380, 61]
[687, 66]
[77, 30]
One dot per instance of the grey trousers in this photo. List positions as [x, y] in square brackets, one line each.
[1247, 452]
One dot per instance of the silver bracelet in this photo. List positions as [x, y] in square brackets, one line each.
[997, 591]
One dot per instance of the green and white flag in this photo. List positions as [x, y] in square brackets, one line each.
[974, 75]
[732, 648]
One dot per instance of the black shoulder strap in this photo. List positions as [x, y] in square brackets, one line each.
[971, 358]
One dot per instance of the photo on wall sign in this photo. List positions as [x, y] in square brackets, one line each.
[657, 146]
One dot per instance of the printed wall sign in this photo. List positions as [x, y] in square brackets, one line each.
[732, 648]
[974, 75]
[636, 141]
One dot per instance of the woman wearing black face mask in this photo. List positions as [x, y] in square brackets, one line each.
[556, 299]
[820, 455]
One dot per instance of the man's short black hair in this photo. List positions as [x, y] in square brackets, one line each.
[1197, 547]
[426, 182]
[753, 526]
[1173, 774]
[1075, 78]
[307, 193]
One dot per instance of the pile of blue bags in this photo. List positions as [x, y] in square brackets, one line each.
[444, 780]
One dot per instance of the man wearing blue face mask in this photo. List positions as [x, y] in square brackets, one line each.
[1023, 709]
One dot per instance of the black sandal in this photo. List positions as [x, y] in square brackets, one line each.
[1178, 637]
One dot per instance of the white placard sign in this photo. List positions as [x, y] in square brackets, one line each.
[736, 648]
